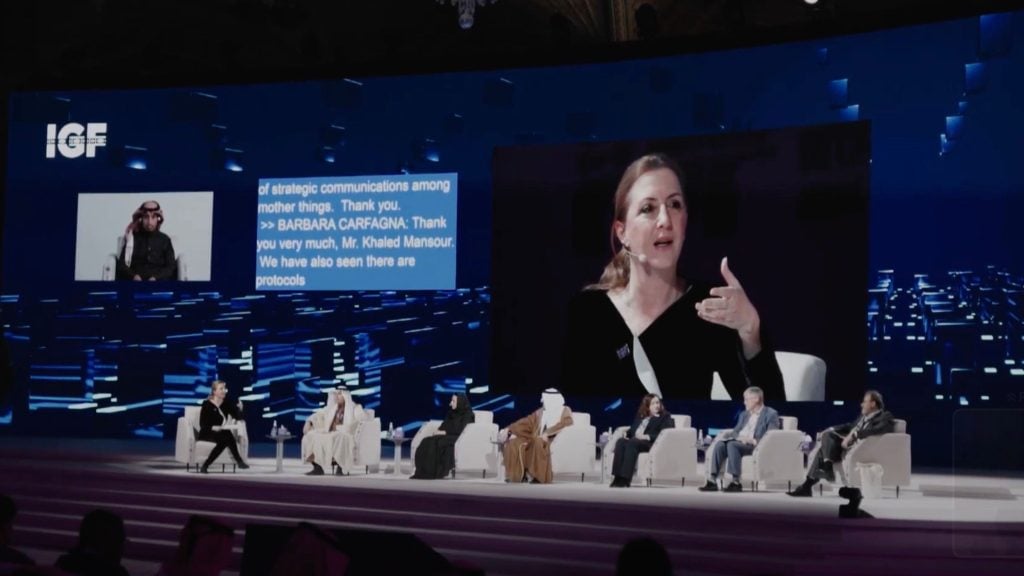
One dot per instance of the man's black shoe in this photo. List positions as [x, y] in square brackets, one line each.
[801, 491]
[733, 487]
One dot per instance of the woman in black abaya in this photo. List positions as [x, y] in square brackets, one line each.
[435, 456]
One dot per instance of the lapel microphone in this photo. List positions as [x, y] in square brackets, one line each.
[639, 257]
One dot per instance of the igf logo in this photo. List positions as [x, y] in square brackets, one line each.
[73, 140]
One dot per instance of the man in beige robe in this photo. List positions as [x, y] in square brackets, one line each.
[328, 437]
[527, 452]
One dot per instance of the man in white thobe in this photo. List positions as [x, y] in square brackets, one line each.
[328, 438]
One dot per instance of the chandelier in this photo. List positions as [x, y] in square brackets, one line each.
[466, 9]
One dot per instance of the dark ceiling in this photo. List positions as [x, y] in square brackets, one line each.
[113, 43]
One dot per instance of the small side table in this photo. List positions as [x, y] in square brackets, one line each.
[703, 447]
[280, 439]
[601, 445]
[398, 441]
[500, 459]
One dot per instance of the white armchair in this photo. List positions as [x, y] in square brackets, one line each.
[776, 458]
[191, 451]
[574, 448]
[367, 438]
[891, 451]
[473, 449]
[673, 456]
[803, 377]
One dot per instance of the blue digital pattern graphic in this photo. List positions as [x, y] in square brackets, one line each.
[118, 359]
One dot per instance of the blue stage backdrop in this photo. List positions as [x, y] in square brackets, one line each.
[341, 231]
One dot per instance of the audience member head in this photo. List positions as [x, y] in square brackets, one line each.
[312, 552]
[204, 548]
[651, 406]
[8, 511]
[753, 398]
[102, 533]
[643, 556]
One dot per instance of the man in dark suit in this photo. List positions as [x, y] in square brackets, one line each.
[752, 424]
[835, 441]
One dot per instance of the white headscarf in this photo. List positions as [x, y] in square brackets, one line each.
[553, 402]
[332, 407]
[129, 248]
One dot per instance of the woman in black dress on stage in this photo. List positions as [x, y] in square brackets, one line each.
[642, 328]
[212, 416]
[435, 456]
[651, 419]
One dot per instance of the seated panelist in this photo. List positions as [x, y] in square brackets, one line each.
[328, 437]
[874, 420]
[213, 415]
[435, 456]
[527, 452]
[651, 419]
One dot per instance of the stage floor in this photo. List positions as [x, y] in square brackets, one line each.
[967, 523]
[932, 496]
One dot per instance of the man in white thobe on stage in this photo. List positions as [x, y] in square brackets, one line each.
[328, 438]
